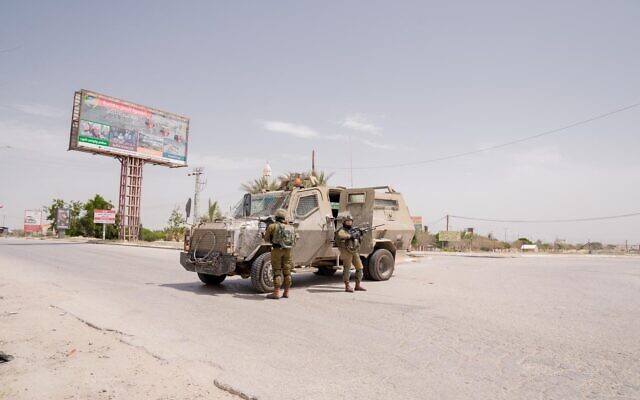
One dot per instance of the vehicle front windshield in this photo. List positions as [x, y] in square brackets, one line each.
[263, 204]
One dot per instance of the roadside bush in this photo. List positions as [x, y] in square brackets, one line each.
[151, 236]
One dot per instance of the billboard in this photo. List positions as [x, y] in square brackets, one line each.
[63, 218]
[449, 236]
[106, 125]
[104, 216]
[33, 221]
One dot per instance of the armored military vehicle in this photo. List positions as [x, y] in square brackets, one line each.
[235, 245]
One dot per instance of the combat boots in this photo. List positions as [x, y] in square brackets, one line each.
[285, 294]
[347, 287]
[275, 295]
[359, 287]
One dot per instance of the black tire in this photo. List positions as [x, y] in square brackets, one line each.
[365, 271]
[325, 271]
[381, 265]
[211, 279]
[261, 273]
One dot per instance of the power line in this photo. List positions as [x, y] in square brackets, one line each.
[437, 220]
[547, 221]
[509, 143]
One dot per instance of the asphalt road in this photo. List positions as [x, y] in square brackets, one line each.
[445, 327]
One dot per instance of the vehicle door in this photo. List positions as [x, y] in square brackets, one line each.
[310, 223]
[359, 202]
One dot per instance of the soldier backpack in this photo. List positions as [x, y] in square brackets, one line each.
[284, 236]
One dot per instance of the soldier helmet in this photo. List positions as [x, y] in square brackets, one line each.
[281, 213]
[345, 216]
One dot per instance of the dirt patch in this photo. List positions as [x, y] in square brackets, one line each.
[56, 355]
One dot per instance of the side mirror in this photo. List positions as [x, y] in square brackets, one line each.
[246, 205]
[187, 208]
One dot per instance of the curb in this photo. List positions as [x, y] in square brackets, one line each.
[148, 246]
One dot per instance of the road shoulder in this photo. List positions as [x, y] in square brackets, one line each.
[57, 355]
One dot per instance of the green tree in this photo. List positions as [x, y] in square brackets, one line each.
[524, 240]
[76, 207]
[259, 185]
[322, 177]
[75, 227]
[86, 221]
[53, 212]
[213, 212]
[175, 225]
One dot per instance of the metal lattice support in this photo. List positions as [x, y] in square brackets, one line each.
[130, 197]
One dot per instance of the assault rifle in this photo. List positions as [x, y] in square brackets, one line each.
[357, 233]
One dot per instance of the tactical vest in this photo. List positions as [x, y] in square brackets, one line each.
[348, 244]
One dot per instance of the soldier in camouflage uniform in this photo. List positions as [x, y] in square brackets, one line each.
[348, 242]
[281, 259]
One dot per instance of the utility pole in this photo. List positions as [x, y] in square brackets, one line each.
[447, 222]
[199, 186]
[350, 161]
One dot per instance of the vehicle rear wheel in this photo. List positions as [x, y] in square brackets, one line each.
[261, 273]
[326, 271]
[211, 279]
[381, 265]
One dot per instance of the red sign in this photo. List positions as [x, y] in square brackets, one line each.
[104, 216]
[33, 221]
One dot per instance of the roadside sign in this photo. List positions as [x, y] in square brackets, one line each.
[33, 221]
[63, 218]
[104, 216]
[449, 236]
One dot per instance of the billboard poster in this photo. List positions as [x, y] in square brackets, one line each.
[106, 125]
[63, 218]
[104, 216]
[33, 221]
[449, 236]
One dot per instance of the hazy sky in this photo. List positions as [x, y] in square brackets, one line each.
[406, 80]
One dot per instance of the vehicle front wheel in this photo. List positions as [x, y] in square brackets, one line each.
[381, 265]
[261, 273]
[365, 270]
[211, 279]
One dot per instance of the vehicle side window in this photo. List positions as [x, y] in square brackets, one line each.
[385, 203]
[356, 198]
[306, 205]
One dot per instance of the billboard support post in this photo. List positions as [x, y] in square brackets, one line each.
[104, 231]
[130, 197]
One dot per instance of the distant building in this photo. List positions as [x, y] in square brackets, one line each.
[529, 247]
[417, 223]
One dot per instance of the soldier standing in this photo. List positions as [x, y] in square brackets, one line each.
[282, 238]
[348, 241]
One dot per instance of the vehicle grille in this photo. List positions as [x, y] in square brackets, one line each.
[205, 241]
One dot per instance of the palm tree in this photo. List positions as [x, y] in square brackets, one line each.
[308, 179]
[213, 212]
[322, 177]
[259, 185]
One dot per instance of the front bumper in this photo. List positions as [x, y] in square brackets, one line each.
[215, 264]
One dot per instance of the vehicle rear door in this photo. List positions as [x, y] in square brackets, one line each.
[359, 202]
